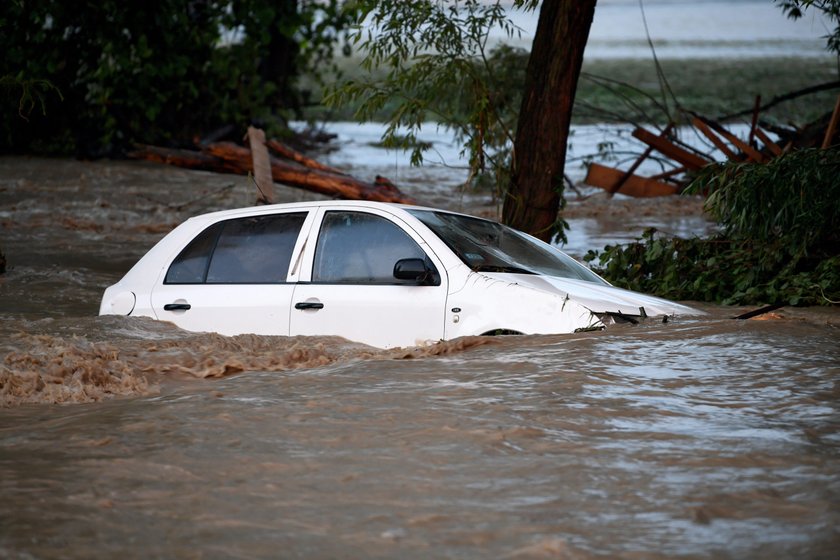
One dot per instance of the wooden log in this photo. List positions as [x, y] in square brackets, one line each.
[671, 150]
[286, 152]
[189, 159]
[605, 177]
[226, 157]
[323, 182]
[261, 166]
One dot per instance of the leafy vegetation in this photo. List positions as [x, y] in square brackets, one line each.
[428, 63]
[159, 73]
[780, 241]
[795, 9]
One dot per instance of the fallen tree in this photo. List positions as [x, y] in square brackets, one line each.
[292, 169]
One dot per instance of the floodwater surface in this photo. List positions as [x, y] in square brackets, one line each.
[699, 438]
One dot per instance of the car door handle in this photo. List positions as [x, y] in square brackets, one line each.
[176, 307]
[309, 305]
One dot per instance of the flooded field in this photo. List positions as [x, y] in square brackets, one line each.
[700, 438]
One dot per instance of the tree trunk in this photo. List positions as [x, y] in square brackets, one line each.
[539, 156]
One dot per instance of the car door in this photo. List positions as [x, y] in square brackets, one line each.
[234, 276]
[352, 291]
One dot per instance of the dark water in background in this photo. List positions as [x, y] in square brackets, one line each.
[701, 438]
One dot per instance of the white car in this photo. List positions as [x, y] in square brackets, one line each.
[382, 274]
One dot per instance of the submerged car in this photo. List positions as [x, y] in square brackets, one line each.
[386, 275]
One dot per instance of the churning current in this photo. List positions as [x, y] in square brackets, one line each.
[700, 438]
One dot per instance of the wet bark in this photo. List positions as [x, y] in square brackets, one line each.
[533, 198]
[226, 157]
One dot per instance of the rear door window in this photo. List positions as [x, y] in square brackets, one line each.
[252, 250]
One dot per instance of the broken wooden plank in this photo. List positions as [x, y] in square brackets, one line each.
[261, 166]
[774, 148]
[714, 138]
[629, 173]
[754, 123]
[605, 177]
[832, 125]
[669, 149]
[751, 153]
[667, 174]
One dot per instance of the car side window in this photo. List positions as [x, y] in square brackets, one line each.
[361, 248]
[190, 266]
[253, 250]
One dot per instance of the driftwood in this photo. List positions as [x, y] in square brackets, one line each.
[303, 173]
[607, 178]
[669, 149]
[288, 153]
[758, 147]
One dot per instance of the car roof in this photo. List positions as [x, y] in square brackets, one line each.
[268, 208]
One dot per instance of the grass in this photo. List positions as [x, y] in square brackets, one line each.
[710, 87]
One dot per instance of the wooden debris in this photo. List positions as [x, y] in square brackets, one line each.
[820, 133]
[607, 177]
[629, 173]
[286, 152]
[668, 174]
[751, 153]
[769, 144]
[715, 139]
[671, 150]
[227, 157]
[832, 125]
[261, 166]
[759, 311]
[754, 122]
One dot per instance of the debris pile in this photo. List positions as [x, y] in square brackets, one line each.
[282, 165]
[685, 158]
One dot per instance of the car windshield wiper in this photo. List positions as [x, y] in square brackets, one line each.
[501, 268]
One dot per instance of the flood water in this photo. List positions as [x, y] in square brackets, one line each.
[699, 438]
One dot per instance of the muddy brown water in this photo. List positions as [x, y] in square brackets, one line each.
[700, 438]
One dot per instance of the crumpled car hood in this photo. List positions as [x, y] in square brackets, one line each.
[600, 298]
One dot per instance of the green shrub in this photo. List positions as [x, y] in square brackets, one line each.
[780, 241]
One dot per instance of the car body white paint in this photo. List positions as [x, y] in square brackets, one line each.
[465, 302]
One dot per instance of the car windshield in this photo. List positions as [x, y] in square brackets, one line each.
[487, 246]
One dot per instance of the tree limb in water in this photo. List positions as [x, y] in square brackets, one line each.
[226, 157]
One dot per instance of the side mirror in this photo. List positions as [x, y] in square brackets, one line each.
[412, 269]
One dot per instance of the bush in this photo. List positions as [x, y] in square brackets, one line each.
[780, 241]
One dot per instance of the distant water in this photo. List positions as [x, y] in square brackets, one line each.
[693, 29]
